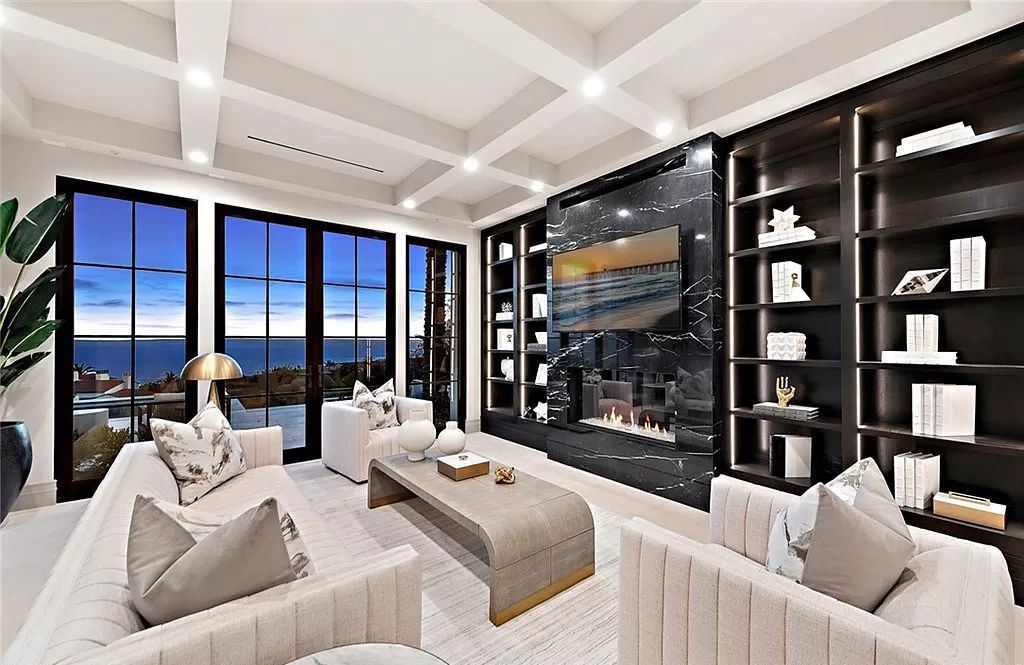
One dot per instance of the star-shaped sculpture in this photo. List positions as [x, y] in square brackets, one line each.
[783, 220]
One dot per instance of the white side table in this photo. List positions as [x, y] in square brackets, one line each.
[371, 654]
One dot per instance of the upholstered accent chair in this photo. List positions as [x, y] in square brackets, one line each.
[348, 443]
[715, 604]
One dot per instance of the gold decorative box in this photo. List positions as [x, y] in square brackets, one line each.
[967, 508]
[463, 465]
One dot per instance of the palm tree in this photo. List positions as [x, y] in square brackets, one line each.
[169, 377]
[83, 368]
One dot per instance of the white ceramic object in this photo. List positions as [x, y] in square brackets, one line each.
[542, 337]
[416, 435]
[787, 346]
[451, 440]
[507, 368]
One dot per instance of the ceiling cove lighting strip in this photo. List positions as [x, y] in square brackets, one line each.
[314, 154]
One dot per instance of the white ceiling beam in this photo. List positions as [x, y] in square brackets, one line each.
[527, 113]
[767, 89]
[113, 31]
[606, 157]
[201, 30]
[426, 173]
[506, 203]
[98, 130]
[16, 97]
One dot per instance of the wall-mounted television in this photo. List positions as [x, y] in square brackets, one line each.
[632, 283]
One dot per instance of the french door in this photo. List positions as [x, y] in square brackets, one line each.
[305, 307]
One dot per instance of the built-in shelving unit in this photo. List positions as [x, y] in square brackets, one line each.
[514, 280]
[878, 216]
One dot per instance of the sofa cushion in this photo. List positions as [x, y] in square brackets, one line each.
[201, 454]
[249, 489]
[384, 442]
[843, 540]
[379, 404]
[171, 574]
[923, 601]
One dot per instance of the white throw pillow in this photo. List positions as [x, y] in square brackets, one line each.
[379, 404]
[847, 539]
[202, 453]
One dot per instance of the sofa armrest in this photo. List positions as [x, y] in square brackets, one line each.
[405, 406]
[680, 601]
[378, 600]
[263, 446]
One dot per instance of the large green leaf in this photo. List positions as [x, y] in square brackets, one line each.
[10, 373]
[23, 340]
[30, 305]
[34, 235]
[8, 211]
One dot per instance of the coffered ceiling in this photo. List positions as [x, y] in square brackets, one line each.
[381, 103]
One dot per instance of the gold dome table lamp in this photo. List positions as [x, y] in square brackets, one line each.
[211, 367]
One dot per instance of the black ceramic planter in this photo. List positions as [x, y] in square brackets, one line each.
[15, 463]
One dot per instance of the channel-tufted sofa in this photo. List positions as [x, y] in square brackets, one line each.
[84, 615]
[715, 604]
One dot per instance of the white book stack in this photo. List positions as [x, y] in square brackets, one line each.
[967, 263]
[782, 280]
[795, 234]
[916, 479]
[922, 343]
[942, 409]
[934, 138]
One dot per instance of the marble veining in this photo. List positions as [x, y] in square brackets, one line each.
[683, 186]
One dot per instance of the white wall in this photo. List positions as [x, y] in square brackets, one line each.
[28, 171]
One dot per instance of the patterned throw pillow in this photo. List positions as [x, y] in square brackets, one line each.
[379, 404]
[202, 453]
[846, 539]
[200, 524]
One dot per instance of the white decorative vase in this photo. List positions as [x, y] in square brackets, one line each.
[451, 440]
[416, 434]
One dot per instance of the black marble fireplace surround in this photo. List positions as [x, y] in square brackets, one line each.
[682, 186]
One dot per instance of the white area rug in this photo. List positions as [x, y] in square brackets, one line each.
[576, 627]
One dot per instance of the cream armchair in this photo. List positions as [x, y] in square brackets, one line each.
[348, 443]
[681, 601]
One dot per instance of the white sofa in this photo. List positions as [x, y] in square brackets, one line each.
[84, 614]
[684, 602]
[348, 443]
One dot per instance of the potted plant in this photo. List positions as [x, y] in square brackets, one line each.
[24, 327]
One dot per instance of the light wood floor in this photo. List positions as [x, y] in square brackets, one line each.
[32, 539]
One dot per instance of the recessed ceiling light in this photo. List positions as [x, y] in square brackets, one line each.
[470, 164]
[623, 212]
[700, 236]
[663, 129]
[199, 78]
[198, 156]
[408, 204]
[593, 86]
[537, 186]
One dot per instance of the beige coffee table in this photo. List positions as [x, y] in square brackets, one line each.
[539, 537]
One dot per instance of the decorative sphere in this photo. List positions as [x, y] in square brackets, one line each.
[451, 440]
[416, 435]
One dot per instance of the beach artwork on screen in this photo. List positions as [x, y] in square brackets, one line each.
[632, 283]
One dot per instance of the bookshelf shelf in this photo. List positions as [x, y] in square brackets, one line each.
[979, 442]
[929, 226]
[805, 189]
[817, 243]
[988, 143]
[998, 292]
[960, 368]
[821, 422]
[785, 363]
[758, 473]
[821, 302]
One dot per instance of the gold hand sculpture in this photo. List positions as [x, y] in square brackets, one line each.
[783, 391]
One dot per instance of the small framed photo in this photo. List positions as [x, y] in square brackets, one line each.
[505, 339]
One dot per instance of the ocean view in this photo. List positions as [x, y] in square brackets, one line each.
[619, 302]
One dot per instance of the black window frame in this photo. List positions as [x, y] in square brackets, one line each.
[314, 304]
[63, 452]
[460, 293]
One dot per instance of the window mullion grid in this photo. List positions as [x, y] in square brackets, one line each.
[266, 324]
[131, 362]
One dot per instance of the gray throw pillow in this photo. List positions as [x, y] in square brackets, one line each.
[379, 404]
[202, 453]
[200, 524]
[170, 575]
[847, 539]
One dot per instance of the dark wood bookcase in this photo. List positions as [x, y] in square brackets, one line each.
[877, 216]
[514, 280]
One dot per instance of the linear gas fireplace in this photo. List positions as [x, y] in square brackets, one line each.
[631, 403]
